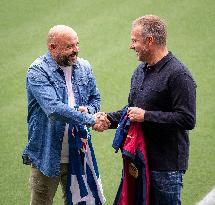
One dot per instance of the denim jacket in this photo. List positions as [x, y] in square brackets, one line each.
[48, 110]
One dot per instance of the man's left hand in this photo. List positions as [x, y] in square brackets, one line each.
[136, 114]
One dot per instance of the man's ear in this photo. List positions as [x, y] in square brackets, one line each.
[150, 40]
[52, 46]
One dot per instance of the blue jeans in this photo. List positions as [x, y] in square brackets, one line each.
[166, 187]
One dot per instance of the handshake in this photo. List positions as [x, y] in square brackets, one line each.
[102, 123]
[135, 114]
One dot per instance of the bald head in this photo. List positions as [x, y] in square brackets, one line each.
[63, 43]
[59, 31]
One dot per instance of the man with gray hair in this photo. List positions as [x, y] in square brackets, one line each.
[163, 99]
[62, 92]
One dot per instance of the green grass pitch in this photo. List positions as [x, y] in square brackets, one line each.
[104, 33]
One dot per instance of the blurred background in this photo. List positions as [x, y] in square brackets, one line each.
[104, 33]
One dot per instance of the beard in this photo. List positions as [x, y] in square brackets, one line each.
[66, 60]
[143, 54]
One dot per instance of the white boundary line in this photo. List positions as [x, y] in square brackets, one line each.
[209, 199]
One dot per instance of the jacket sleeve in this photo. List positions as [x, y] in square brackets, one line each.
[39, 85]
[114, 118]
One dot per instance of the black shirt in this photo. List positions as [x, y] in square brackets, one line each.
[167, 92]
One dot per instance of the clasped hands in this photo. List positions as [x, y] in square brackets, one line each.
[102, 122]
[135, 114]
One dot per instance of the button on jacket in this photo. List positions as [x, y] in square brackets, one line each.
[167, 92]
[48, 111]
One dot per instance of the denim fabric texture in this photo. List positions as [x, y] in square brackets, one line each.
[166, 187]
[48, 111]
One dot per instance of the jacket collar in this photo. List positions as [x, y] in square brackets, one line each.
[161, 63]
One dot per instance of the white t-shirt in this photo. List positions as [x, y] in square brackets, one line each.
[65, 145]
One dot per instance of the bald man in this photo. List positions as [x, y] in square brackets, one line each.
[57, 84]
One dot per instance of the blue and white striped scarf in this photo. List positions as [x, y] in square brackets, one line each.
[84, 184]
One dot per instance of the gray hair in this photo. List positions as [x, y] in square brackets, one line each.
[152, 26]
[57, 31]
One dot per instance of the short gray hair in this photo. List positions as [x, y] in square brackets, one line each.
[154, 26]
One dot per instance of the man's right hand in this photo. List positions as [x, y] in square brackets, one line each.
[102, 123]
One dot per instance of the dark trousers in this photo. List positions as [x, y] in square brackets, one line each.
[166, 187]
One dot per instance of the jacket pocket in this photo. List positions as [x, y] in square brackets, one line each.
[60, 89]
[83, 91]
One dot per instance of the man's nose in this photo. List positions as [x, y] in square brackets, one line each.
[76, 49]
[131, 46]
